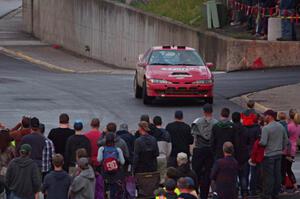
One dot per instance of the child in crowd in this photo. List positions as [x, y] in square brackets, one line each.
[57, 182]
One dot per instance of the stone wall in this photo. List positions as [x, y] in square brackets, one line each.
[111, 32]
[230, 54]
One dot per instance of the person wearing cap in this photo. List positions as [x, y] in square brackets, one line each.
[274, 139]
[84, 184]
[146, 118]
[23, 177]
[60, 135]
[37, 141]
[145, 151]
[181, 137]
[74, 143]
[93, 135]
[124, 134]
[224, 174]
[202, 159]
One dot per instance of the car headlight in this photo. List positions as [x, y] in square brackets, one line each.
[159, 81]
[203, 81]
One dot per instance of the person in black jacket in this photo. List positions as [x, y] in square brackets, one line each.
[181, 138]
[74, 143]
[124, 134]
[242, 154]
[37, 141]
[222, 132]
[145, 151]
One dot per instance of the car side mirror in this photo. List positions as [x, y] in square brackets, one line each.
[210, 65]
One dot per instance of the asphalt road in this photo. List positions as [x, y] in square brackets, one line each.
[27, 89]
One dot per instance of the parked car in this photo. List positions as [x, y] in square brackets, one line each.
[173, 72]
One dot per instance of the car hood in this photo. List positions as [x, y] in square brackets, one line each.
[178, 72]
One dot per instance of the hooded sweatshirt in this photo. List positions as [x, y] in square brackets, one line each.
[222, 132]
[23, 177]
[56, 185]
[83, 186]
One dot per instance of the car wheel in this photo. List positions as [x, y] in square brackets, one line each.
[209, 100]
[146, 99]
[138, 91]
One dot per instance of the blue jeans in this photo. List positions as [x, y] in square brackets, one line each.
[271, 176]
[244, 179]
[287, 28]
[13, 196]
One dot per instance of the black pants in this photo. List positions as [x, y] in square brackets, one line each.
[202, 163]
[286, 169]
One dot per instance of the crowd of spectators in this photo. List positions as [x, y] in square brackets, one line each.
[254, 14]
[240, 154]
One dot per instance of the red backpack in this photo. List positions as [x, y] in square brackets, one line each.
[110, 162]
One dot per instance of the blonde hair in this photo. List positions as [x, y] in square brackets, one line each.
[297, 118]
[182, 158]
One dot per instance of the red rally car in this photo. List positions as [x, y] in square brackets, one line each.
[173, 72]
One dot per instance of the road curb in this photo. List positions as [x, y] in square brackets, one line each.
[8, 13]
[35, 61]
[56, 68]
[258, 107]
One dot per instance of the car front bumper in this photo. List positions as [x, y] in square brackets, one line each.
[180, 90]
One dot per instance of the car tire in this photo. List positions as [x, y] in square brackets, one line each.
[146, 99]
[209, 100]
[138, 91]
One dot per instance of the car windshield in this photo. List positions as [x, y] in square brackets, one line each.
[175, 57]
